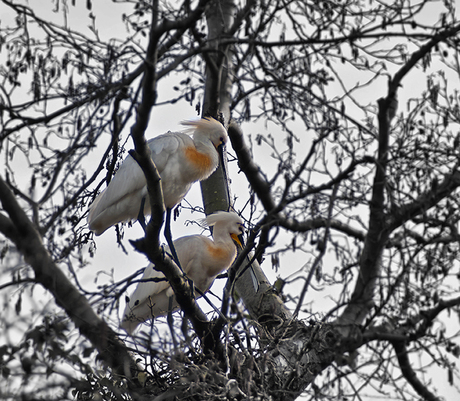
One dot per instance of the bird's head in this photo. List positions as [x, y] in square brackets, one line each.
[208, 128]
[229, 222]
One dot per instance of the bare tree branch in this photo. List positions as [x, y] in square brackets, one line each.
[426, 201]
[29, 243]
[409, 373]
[362, 298]
[99, 94]
[150, 244]
[258, 184]
[420, 54]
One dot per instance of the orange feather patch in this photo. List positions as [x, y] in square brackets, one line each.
[199, 160]
[216, 252]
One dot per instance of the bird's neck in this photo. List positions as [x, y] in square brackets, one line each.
[222, 249]
[222, 238]
[204, 145]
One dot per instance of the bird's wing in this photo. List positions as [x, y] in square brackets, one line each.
[186, 248]
[148, 300]
[120, 201]
[128, 179]
[192, 251]
[149, 288]
[165, 146]
[151, 299]
[196, 266]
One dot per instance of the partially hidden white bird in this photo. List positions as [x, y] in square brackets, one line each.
[180, 161]
[201, 258]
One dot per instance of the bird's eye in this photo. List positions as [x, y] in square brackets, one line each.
[222, 139]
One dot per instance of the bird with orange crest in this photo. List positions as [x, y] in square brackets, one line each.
[202, 260]
[180, 159]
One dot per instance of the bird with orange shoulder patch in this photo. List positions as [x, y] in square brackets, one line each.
[202, 260]
[180, 160]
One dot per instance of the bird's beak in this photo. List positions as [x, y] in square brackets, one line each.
[238, 239]
[255, 281]
[220, 150]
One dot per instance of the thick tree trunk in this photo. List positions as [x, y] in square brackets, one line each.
[296, 353]
[219, 16]
[262, 304]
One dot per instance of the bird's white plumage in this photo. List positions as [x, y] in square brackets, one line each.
[180, 161]
[201, 258]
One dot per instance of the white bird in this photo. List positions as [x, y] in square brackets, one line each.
[201, 258]
[180, 161]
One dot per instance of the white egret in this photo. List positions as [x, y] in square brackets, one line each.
[201, 258]
[180, 161]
